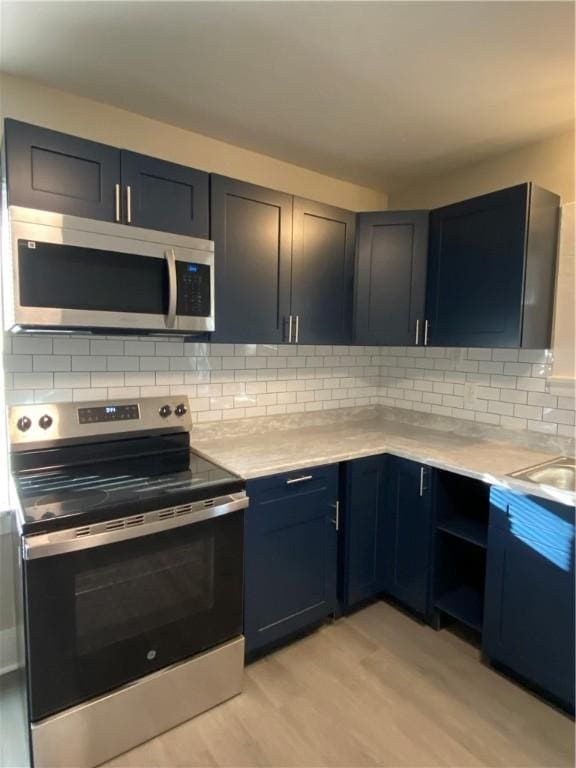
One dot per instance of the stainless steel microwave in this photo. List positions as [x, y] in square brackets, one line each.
[69, 273]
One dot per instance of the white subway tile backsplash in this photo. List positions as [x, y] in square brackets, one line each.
[88, 363]
[51, 363]
[73, 380]
[122, 363]
[99, 379]
[106, 347]
[154, 363]
[32, 345]
[33, 380]
[506, 355]
[513, 396]
[493, 386]
[71, 347]
[531, 384]
[17, 363]
[139, 348]
[528, 411]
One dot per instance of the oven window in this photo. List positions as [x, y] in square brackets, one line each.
[127, 599]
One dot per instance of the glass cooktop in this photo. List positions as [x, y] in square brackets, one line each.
[62, 497]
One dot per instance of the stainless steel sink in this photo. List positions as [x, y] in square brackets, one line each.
[560, 473]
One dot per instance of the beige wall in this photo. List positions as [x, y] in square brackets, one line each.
[548, 163]
[35, 103]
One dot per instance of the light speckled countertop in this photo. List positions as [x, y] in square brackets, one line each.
[260, 447]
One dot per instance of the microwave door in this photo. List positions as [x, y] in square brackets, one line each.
[77, 285]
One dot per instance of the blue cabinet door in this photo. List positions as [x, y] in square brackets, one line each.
[290, 554]
[56, 172]
[529, 601]
[407, 533]
[362, 541]
[392, 249]
[165, 196]
[252, 231]
[322, 272]
[491, 268]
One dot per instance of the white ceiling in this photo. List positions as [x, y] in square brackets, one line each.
[369, 92]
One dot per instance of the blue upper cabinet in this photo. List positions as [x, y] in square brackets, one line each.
[391, 255]
[491, 270]
[322, 273]
[252, 231]
[290, 554]
[407, 533]
[56, 172]
[529, 605]
[165, 196]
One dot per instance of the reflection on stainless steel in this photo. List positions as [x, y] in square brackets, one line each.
[99, 534]
[559, 473]
[24, 224]
[66, 422]
[82, 735]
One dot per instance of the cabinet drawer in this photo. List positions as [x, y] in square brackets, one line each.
[300, 482]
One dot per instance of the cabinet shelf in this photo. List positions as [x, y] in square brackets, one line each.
[467, 528]
[464, 603]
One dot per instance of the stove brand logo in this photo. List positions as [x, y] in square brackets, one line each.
[31, 244]
[151, 655]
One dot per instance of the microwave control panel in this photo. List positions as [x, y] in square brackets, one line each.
[193, 289]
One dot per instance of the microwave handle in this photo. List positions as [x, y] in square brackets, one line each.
[172, 287]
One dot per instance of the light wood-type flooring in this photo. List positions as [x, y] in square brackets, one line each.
[376, 688]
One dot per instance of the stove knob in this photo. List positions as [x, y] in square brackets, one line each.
[181, 410]
[23, 423]
[165, 411]
[45, 421]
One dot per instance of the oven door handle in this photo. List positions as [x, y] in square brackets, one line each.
[123, 529]
[172, 287]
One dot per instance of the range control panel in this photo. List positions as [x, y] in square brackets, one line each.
[108, 413]
[38, 423]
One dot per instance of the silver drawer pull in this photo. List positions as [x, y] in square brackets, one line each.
[298, 479]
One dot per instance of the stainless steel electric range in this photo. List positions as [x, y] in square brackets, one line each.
[132, 575]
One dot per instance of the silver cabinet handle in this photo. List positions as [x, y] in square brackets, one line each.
[422, 477]
[129, 204]
[302, 479]
[426, 328]
[117, 202]
[290, 329]
[297, 329]
[172, 287]
[417, 332]
[336, 520]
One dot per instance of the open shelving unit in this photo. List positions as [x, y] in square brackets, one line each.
[463, 506]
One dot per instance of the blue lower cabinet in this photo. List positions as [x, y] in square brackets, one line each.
[529, 604]
[407, 533]
[290, 554]
[362, 544]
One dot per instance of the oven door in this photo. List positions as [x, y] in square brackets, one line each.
[75, 273]
[100, 616]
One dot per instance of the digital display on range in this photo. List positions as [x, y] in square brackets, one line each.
[108, 413]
